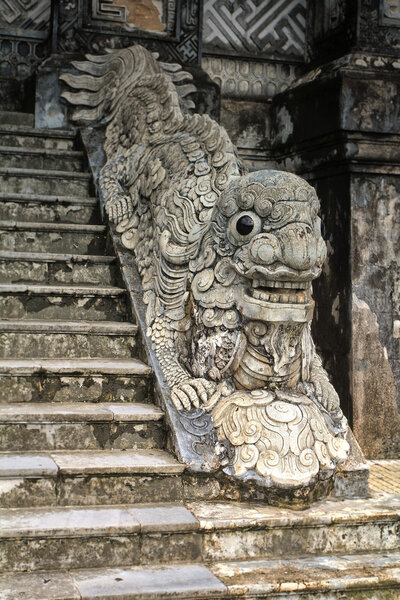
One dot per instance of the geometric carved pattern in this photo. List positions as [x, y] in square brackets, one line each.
[33, 15]
[244, 78]
[95, 26]
[24, 30]
[253, 26]
[105, 9]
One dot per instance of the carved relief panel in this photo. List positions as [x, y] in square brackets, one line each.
[169, 27]
[24, 30]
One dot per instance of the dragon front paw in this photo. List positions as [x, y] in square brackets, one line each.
[191, 393]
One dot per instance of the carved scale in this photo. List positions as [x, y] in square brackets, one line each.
[226, 260]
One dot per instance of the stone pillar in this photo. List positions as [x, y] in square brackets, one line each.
[338, 126]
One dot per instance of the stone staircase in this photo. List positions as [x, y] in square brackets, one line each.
[93, 505]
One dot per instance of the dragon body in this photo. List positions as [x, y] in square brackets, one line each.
[226, 260]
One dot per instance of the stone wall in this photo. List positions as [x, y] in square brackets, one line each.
[253, 50]
[338, 126]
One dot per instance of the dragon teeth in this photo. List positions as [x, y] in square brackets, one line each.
[298, 297]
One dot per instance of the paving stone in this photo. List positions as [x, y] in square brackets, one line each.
[177, 581]
[48, 209]
[46, 585]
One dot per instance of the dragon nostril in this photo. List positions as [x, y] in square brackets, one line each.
[245, 225]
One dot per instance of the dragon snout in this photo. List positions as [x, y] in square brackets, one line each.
[296, 247]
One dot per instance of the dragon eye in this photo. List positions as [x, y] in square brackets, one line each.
[245, 225]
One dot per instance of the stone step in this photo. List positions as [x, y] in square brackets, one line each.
[25, 267]
[135, 583]
[49, 209]
[81, 380]
[52, 237]
[103, 536]
[41, 158]
[62, 301]
[29, 137]
[69, 339]
[80, 426]
[340, 577]
[91, 477]
[40, 181]
[374, 576]
[247, 531]
[8, 117]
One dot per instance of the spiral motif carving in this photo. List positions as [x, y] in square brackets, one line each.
[281, 434]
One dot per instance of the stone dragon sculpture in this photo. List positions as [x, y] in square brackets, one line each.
[226, 260]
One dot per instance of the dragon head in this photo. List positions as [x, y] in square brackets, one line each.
[274, 239]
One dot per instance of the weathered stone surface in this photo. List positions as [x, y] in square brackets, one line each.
[57, 237]
[62, 301]
[178, 547]
[74, 382]
[28, 492]
[164, 518]
[343, 133]
[177, 581]
[38, 158]
[8, 117]
[246, 531]
[30, 181]
[85, 436]
[27, 465]
[25, 529]
[27, 137]
[360, 577]
[59, 426]
[64, 522]
[248, 126]
[86, 489]
[48, 585]
[127, 462]
[69, 553]
[18, 267]
[51, 339]
[48, 209]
